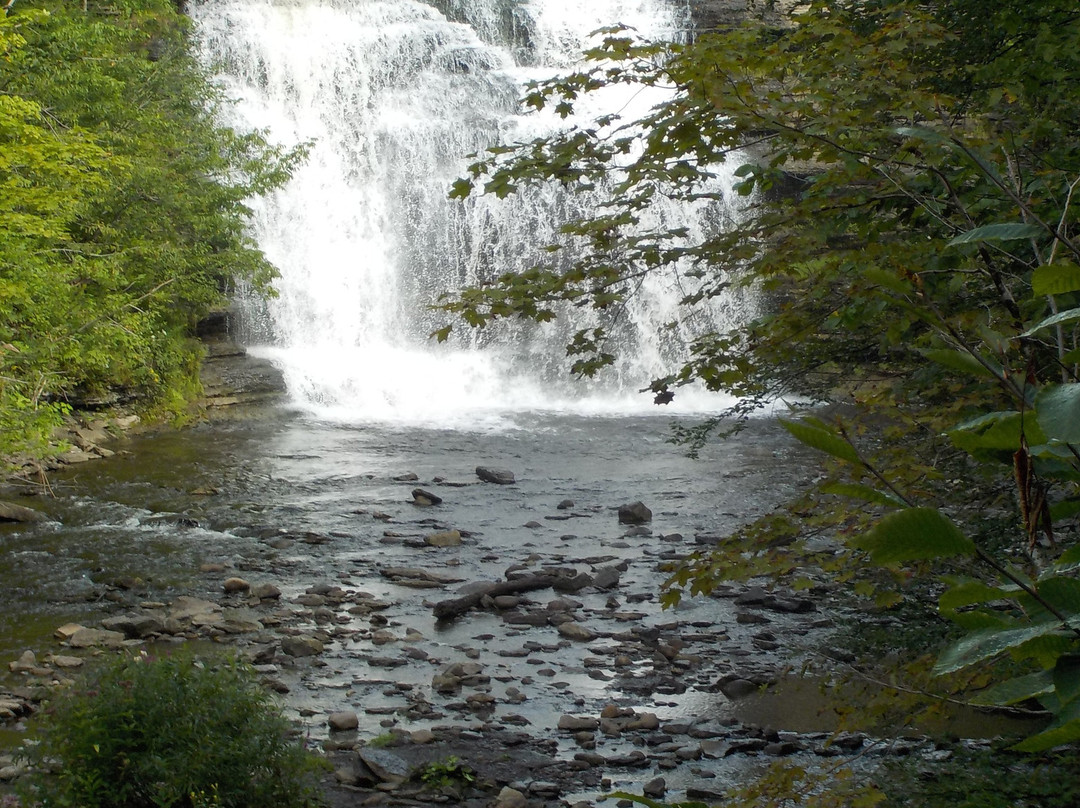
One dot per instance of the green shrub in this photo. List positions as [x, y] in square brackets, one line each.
[173, 731]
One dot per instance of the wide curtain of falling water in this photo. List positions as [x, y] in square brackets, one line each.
[393, 95]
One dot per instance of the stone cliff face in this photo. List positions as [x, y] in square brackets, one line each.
[722, 14]
[711, 14]
[229, 376]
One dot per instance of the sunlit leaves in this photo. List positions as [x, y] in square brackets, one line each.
[122, 205]
[816, 434]
[1062, 318]
[1058, 408]
[1055, 279]
[914, 534]
[1009, 231]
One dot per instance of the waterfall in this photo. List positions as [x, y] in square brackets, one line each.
[393, 95]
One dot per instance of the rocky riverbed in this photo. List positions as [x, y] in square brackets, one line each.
[468, 615]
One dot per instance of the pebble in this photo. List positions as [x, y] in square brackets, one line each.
[301, 646]
[24, 664]
[576, 631]
[233, 585]
[655, 788]
[572, 723]
[510, 798]
[343, 721]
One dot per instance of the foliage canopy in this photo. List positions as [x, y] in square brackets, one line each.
[911, 170]
[122, 208]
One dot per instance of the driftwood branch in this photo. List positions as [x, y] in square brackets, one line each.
[455, 607]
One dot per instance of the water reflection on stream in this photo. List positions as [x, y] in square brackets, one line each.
[293, 501]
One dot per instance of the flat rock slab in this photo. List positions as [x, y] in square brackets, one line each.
[92, 637]
[135, 626]
[10, 512]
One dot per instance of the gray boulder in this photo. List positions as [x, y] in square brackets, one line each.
[497, 476]
[634, 514]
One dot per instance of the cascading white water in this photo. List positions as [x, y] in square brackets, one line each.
[393, 95]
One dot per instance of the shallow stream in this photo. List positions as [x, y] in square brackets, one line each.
[297, 502]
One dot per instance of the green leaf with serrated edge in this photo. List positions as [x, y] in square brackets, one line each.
[461, 189]
[963, 361]
[822, 440]
[1006, 231]
[967, 592]
[1013, 691]
[1061, 318]
[1045, 650]
[888, 280]
[1071, 557]
[1055, 279]
[977, 620]
[1057, 408]
[998, 431]
[863, 492]
[922, 133]
[1065, 728]
[1067, 677]
[986, 644]
[914, 534]
[1062, 593]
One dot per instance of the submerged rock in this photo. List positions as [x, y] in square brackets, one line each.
[738, 688]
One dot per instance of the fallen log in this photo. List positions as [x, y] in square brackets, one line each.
[403, 574]
[455, 607]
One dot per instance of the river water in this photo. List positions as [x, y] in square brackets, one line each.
[294, 501]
